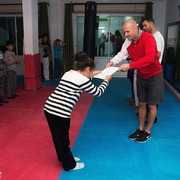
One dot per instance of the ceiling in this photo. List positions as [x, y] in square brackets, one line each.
[17, 1]
[11, 2]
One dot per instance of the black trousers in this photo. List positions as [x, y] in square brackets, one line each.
[130, 75]
[59, 128]
[2, 83]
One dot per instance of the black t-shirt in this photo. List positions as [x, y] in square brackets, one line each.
[46, 50]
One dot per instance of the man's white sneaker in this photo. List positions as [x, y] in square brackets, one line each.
[76, 159]
[79, 166]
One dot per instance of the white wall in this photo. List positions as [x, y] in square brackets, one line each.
[164, 11]
[57, 13]
[57, 20]
[159, 15]
[172, 12]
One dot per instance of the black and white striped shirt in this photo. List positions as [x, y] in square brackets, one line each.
[67, 93]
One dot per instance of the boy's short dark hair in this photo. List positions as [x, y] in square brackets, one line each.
[82, 61]
[58, 40]
[9, 42]
[45, 35]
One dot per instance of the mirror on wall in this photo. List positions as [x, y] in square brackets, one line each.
[172, 55]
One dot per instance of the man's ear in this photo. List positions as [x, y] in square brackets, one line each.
[152, 24]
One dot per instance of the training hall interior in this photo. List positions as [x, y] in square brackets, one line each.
[23, 22]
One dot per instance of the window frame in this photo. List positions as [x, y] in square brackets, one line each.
[109, 15]
[15, 16]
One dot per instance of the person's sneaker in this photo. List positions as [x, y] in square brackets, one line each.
[136, 134]
[143, 137]
[78, 166]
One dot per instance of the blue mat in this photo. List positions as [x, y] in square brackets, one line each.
[108, 154]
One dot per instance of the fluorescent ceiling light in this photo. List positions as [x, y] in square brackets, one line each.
[101, 27]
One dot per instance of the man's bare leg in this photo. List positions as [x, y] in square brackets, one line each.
[151, 117]
[142, 115]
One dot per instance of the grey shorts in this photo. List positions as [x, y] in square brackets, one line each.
[151, 90]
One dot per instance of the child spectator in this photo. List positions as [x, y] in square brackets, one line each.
[41, 52]
[11, 70]
[46, 56]
[2, 78]
[58, 63]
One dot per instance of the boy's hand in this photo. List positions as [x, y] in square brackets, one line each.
[5, 60]
[15, 59]
[108, 78]
[18, 61]
[96, 72]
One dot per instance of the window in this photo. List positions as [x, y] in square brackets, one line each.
[172, 55]
[109, 34]
[11, 28]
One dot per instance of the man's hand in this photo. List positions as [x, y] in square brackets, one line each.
[124, 67]
[109, 64]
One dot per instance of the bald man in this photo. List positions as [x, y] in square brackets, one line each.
[141, 47]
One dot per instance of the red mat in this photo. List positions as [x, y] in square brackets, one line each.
[26, 148]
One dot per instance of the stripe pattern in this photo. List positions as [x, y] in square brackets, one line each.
[67, 93]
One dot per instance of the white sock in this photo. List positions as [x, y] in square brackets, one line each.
[76, 159]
